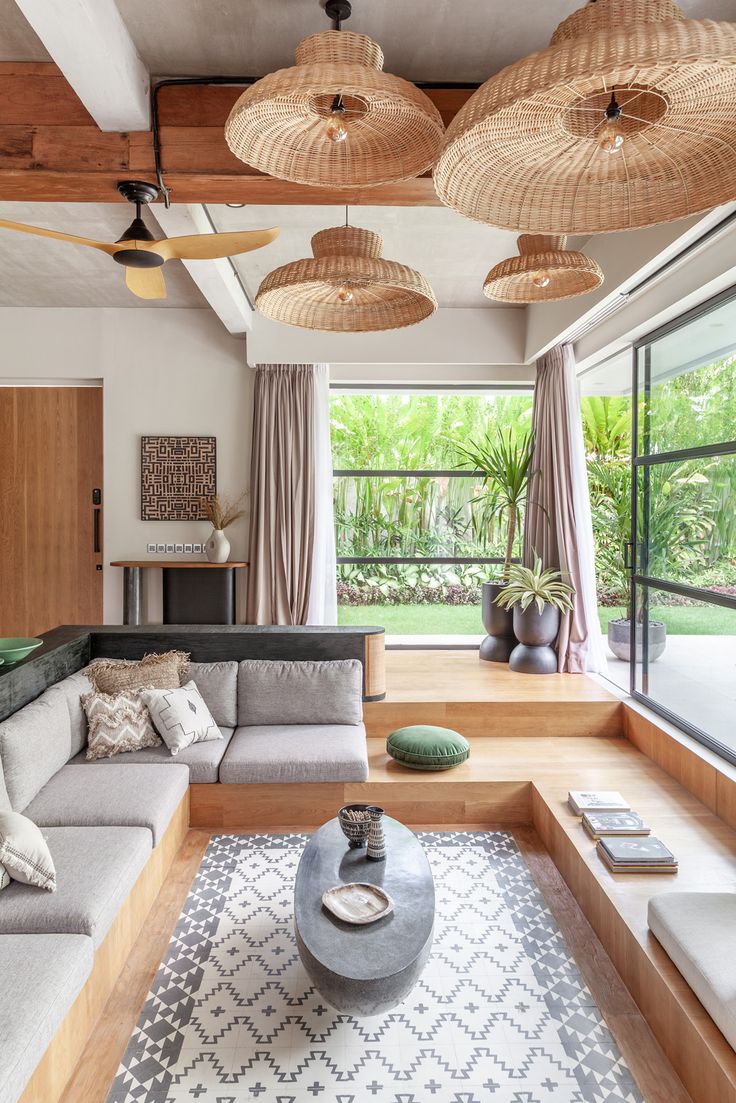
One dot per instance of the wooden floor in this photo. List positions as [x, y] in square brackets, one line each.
[457, 689]
[648, 1064]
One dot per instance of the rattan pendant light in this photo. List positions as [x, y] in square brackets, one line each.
[544, 272]
[627, 119]
[335, 119]
[347, 287]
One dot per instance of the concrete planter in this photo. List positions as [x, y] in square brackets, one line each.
[498, 623]
[536, 632]
[619, 640]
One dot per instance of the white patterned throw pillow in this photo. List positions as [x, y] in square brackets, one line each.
[118, 722]
[24, 853]
[180, 716]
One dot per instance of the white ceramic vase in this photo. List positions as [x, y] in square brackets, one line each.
[217, 547]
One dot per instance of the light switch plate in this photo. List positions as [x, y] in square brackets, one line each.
[169, 549]
[151, 549]
[178, 548]
[187, 549]
[161, 549]
[197, 549]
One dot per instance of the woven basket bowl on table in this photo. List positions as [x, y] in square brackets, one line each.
[570, 273]
[523, 152]
[386, 294]
[279, 124]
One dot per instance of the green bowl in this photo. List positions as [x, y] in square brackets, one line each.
[15, 648]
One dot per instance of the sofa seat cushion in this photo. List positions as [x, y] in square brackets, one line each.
[96, 869]
[42, 975]
[697, 931]
[296, 753]
[111, 796]
[203, 759]
[35, 742]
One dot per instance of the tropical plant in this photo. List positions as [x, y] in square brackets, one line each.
[535, 584]
[505, 464]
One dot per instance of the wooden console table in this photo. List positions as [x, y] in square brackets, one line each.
[193, 592]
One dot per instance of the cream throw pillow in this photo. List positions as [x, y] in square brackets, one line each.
[24, 852]
[118, 723]
[180, 716]
[4, 878]
[163, 671]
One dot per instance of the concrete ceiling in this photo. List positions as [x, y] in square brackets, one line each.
[451, 252]
[436, 40]
[37, 271]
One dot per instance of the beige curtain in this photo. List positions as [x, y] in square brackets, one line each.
[558, 523]
[281, 495]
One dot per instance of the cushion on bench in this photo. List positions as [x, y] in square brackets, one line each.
[5, 805]
[35, 743]
[74, 687]
[111, 796]
[218, 684]
[203, 759]
[278, 693]
[96, 869]
[42, 975]
[300, 752]
[696, 929]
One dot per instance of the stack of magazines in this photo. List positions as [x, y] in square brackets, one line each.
[596, 800]
[614, 823]
[636, 855]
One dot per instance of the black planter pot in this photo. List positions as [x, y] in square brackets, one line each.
[536, 633]
[498, 623]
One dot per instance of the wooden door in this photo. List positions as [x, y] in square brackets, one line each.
[50, 465]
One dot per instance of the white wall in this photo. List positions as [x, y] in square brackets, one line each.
[163, 372]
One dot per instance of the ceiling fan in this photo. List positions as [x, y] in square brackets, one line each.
[142, 255]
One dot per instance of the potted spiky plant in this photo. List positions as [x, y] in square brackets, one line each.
[536, 597]
[505, 463]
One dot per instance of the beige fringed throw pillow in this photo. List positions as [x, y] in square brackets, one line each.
[24, 853]
[118, 722]
[161, 671]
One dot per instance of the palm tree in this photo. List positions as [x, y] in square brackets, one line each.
[505, 464]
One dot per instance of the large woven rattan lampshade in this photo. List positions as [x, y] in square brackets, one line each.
[279, 125]
[347, 287]
[544, 272]
[523, 153]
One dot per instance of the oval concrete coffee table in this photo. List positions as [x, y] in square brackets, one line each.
[364, 970]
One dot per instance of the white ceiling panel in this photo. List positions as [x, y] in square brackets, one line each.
[451, 252]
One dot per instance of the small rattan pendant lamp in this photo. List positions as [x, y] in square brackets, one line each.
[544, 272]
[627, 119]
[336, 120]
[347, 287]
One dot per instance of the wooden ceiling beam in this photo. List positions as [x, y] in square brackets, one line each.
[52, 151]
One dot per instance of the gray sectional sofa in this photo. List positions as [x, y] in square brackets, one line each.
[281, 722]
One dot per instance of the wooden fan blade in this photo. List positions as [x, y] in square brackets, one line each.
[212, 246]
[106, 247]
[146, 283]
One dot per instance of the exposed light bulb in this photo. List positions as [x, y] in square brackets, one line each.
[337, 128]
[611, 138]
[541, 278]
[345, 293]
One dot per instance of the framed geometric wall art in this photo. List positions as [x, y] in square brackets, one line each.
[176, 473]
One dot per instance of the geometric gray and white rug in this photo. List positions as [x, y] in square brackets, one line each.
[501, 1013]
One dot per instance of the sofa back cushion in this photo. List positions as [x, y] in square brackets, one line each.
[280, 692]
[74, 688]
[218, 684]
[5, 805]
[35, 743]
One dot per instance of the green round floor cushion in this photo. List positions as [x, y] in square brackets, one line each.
[426, 747]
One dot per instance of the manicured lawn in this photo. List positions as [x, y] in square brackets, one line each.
[413, 620]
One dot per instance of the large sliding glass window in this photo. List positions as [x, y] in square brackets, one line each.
[415, 536]
[684, 515]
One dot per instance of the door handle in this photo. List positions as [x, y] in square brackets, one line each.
[629, 555]
[96, 531]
